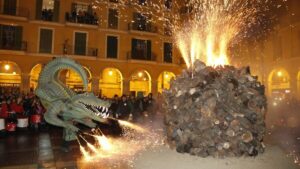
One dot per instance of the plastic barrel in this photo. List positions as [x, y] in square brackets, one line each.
[22, 122]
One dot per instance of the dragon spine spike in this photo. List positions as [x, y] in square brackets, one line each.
[59, 64]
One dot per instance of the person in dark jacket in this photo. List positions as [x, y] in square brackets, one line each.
[124, 108]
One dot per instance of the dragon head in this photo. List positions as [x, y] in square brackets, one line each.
[87, 105]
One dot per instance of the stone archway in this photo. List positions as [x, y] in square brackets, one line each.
[73, 80]
[111, 82]
[164, 80]
[140, 83]
[34, 75]
[10, 75]
[279, 86]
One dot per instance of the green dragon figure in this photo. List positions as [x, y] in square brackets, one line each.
[64, 106]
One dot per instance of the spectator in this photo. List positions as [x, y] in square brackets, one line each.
[4, 110]
[18, 107]
[114, 106]
[124, 109]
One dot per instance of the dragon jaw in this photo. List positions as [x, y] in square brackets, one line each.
[87, 105]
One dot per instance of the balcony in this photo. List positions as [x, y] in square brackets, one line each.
[87, 19]
[143, 57]
[69, 50]
[22, 46]
[16, 12]
[142, 27]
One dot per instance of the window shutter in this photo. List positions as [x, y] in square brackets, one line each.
[133, 48]
[38, 10]
[80, 43]
[46, 41]
[149, 52]
[18, 37]
[56, 10]
[10, 7]
[112, 47]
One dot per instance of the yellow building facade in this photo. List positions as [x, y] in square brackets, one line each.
[121, 51]
[276, 60]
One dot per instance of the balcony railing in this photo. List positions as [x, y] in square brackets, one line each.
[143, 27]
[84, 19]
[18, 47]
[20, 12]
[132, 56]
[69, 50]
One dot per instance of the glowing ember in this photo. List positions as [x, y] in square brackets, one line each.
[131, 125]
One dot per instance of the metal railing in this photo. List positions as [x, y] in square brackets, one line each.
[22, 46]
[148, 27]
[20, 12]
[136, 56]
[70, 50]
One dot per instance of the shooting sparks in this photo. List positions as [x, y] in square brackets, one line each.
[134, 140]
[212, 25]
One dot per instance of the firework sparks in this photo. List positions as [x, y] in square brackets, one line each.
[134, 140]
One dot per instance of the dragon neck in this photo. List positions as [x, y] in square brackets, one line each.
[52, 70]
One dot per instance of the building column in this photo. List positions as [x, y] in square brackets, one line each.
[154, 89]
[25, 82]
[126, 87]
[95, 85]
[293, 83]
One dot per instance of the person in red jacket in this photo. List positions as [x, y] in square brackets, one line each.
[4, 110]
[18, 107]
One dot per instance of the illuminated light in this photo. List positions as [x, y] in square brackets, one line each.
[287, 91]
[274, 104]
[166, 76]
[144, 79]
[14, 73]
[7, 67]
[110, 73]
[131, 125]
[279, 73]
[140, 74]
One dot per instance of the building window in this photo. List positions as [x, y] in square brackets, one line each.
[47, 10]
[80, 43]
[113, 18]
[168, 4]
[112, 47]
[10, 7]
[82, 13]
[168, 52]
[141, 49]
[142, 2]
[140, 22]
[10, 37]
[114, 1]
[46, 40]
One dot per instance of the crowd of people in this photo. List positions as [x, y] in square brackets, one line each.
[82, 17]
[47, 15]
[132, 108]
[16, 105]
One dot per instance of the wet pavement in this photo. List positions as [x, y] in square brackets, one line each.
[28, 149]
